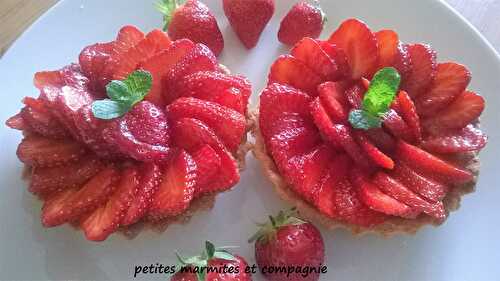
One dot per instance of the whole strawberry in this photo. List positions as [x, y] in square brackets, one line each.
[288, 241]
[213, 264]
[248, 18]
[192, 20]
[303, 20]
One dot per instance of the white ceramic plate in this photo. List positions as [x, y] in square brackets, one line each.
[466, 247]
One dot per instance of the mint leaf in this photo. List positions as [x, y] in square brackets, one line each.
[361, 119]
[383, 88]
[108, 109]
[123, 94]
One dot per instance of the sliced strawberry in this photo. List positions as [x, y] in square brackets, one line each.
[95, 192]
[199, 58]
[423, 69]
[191, 135]
[451, 80]
[430, 165]
[176, 189]
[93, 60]
[392, 53]
[381, 139]
[310, 52]
[324, 123]
[105, 220]
[464, 110]
[55, 205]
[228, 124]
[355, 94]
[45, 79]
[44, 152]
[338, 56]
[334, 101]
[377, 156]
[149, 177]
[40, 120]
[277, 100]
[159, 64]
[17, 122]
[425, 187]
[466, 139]
[291, 71]
[228, 90]
[208, 164]
[401, 193]
[360, 45]
[142, 133]
[304, 172]
[408, 111]
[154, 42]
[397, 126]
[127, 37]
[48, 179]
[376, 200]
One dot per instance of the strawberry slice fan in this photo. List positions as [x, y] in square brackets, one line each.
[365, 132]
[169, 138]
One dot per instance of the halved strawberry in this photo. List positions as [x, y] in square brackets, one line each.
[228, 124]
[464, 110]
[208, 164]
[451, 80]
[393, 122]
[408, 111]
[40, 120]
[228, 90]
[291, 71]
[374, 198]
[392, 53]
[430, 165]
[159, 64]
[466, 139]
[200, 58]
[176, 189]
[360, 45]
[310, 52]
[191, 135]
[401, 193]
[149, 177]
[304, 172]
[142, 133]
[95, 192]
[334, 101]
[44, 152]
[377, 156]
[277, 100]
[48, 179]
[338, 56]
[425, 187]
[423, 69]
[105, 220]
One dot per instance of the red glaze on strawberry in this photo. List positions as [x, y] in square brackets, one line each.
[399, 166]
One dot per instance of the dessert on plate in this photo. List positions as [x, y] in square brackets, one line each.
[365, 132]
[142, 131]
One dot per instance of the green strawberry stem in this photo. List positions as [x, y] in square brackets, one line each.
[201, 260]
[268, 230]
[167, 8]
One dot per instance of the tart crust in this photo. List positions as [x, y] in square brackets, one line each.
[389, 228]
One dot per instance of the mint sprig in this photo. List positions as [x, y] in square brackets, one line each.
[123, 95]
[377, 100]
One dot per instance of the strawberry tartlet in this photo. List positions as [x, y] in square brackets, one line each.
[142, 131]
[364, 132]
